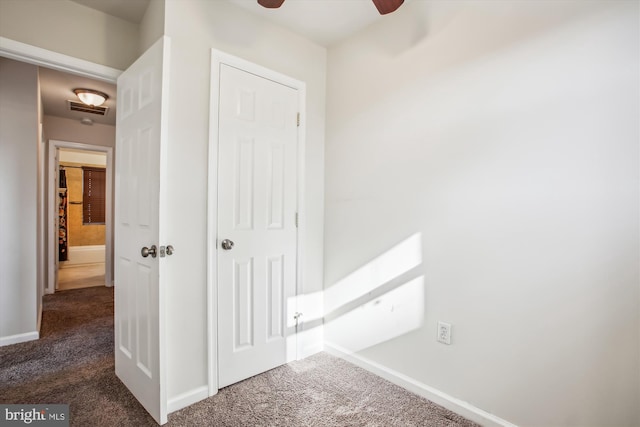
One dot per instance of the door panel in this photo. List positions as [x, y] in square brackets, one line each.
[243, 293]
[275, 293]
[257, 184]
[139, 312]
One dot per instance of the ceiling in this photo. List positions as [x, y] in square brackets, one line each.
[57, 87]
[325, 22]
[129, 10]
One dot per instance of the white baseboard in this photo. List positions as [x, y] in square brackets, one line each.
[15, 339]
[187, 398]
[456, 405]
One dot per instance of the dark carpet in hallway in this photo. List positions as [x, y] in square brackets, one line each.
[73, 363]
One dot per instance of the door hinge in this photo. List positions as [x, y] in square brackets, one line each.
[298, 120]
[296, 219]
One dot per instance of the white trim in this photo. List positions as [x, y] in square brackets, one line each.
[39, 324]
[458, 406]
[163, 202]
[302, 217]
[46, 58]
[52, 255]
[217, 58]
[212, 229]
[187, 398]
[15, 339]
[42, 214]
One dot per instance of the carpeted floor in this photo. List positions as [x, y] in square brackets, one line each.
[73, 363]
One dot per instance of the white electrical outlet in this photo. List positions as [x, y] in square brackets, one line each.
[444, 333]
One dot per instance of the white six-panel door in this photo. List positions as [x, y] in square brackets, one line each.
[257, 185]
[139, 308]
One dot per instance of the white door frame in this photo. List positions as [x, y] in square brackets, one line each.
[52, 255]
[57, 61]
[30, 54]
[217, 59]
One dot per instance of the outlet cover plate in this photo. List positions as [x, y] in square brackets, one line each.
[444, 333]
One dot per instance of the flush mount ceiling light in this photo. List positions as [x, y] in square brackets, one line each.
[383, 6]
[93, 98]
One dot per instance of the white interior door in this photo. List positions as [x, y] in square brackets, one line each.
[139, 296]
[257, 184]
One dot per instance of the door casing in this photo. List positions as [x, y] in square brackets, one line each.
[217, 58]
[52, 256]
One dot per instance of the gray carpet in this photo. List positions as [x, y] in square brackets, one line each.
[73, 363]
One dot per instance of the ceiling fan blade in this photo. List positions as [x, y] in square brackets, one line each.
[270, 4]
[387, 6]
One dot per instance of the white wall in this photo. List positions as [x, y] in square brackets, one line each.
[152, 25]
[195, 27]
[72, 29]
[61, 129]
[18, 201]
[504, 137]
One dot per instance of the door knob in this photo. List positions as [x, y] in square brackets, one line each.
[149, 251]
[170, 250]
[227, 244]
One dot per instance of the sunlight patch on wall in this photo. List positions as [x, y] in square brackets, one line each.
[379, 301]
[386, 267]
[389, 316]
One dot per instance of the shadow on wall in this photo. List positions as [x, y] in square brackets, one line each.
[381, 300]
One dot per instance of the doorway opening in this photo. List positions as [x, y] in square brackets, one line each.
[81, 231]
[80, 250]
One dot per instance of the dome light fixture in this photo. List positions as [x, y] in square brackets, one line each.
[93, 98]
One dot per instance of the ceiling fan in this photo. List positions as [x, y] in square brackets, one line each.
[383, 6]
